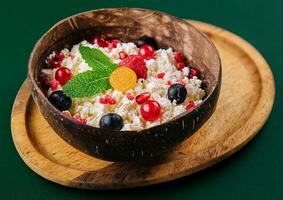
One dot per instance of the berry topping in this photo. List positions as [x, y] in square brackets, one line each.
[168, 82]
[179, 57]
[181, 82]
[107, 100]
[137, 64]
[177, 93]
[130, 96]
[190, 105]
[180, 66]
[111, 121]
[67, 113]
[146, 51]
[147, 40]
[103, 101]
[141, 98]
[122, 55]
[78, 118]
[56, 60]
[193, 72]
[150, 110]
[44, 82]
[160, 75]
[123, 79]
[62, 75]
[60, 100]
[54, 85]
[99, 40]
[113, 43]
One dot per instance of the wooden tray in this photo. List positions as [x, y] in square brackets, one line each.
[245, 102]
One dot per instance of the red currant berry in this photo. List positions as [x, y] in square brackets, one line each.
[180, 66]
[179, 57]
[193, 72]
[56, 60]
[54, 85]
[190, 105]
[141, 98]
[160, 75]
[62, 75]
[150, 110]
[146, 51]
[122, 55]
[99, 40]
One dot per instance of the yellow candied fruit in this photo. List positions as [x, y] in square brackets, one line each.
[123, 79]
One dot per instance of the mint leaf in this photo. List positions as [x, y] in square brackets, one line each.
[89, 83]
[97, 60]
[86, 84]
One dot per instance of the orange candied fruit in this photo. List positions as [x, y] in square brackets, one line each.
[123, 79]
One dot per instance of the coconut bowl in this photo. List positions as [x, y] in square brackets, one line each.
[128, 24]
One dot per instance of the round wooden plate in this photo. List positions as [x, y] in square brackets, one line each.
[245, 102]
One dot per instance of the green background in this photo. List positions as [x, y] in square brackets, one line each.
[255, 172]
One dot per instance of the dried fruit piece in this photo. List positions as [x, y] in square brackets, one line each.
[179, 57]
[123, 79]
[130, 96]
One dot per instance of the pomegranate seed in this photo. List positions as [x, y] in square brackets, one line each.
[107, 98]
[122, 55]
[146, 51]
[112, 101]
[113, 43]
[99, 40]
[54, 85]
[141, 98]
[57, 59]
[44, 82]
[190, 105]
[181, 82]
[193, 72]
[150, 110]
[179, 57]
[180, 66]
[160, 75]
[130, 96]
[67, 113]
[62, 75]
[169, 82]
[78, 118]
[102, 101]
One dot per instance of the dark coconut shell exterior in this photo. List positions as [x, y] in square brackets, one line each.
[128, 24]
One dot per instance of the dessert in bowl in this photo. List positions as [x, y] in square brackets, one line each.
[124, 84]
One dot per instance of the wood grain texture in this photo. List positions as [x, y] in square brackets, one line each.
[245, 102]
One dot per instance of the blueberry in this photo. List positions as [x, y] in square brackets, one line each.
[147, 40]
[111, 121]
[177, 92]
[60, 100]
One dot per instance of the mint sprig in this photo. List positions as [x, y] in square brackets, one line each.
[89, 83]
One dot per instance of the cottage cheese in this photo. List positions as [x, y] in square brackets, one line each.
[92, 110]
